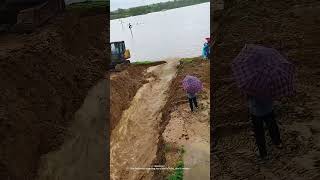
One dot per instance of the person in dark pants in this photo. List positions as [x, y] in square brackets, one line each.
[192, 101]
[261, 111]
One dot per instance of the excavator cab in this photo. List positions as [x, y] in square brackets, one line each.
[119, 53]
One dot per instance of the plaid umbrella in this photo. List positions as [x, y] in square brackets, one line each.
[264, 72]
[192, 84]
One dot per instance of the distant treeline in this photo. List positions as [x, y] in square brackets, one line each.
[89, 6]
[122, 13]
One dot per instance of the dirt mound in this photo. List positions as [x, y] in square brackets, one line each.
[291, 27]
[177, 96]
[86, 142]
[123, 87]
[45, 77]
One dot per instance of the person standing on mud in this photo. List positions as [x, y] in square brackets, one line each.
[205, 50]
[209, 46]
[264, 75]
[192, 85]
[261, 111]
[192, 101]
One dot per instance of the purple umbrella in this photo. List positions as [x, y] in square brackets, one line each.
[261, 71]
[192, 84]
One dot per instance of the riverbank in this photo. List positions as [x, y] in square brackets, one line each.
[150, 145]
[135, 11]
[186, 135]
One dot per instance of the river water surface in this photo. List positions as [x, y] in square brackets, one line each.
[174, 33]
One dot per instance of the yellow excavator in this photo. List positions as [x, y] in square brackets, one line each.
[26, 15]
[119, 54]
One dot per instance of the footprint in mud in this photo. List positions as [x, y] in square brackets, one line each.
[186, 136]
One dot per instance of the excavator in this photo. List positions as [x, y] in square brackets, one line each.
[119, 54]
[26, 15]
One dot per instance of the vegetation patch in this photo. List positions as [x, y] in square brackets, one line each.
[189, 60]
[143, 62]
[88, 6]
[148, 63]
[177, 173]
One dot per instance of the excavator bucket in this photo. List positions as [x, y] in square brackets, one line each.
[127, 54]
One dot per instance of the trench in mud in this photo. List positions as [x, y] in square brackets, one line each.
[134, 141]
[79, 158]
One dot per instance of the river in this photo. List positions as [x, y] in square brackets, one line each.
[175, 33]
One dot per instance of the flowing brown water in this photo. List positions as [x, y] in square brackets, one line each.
[134, 140]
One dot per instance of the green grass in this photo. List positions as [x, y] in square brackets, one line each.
[142, 62]
[182, 151]
[188, 60]
[89, 5]
[178, 172]
[167, 147]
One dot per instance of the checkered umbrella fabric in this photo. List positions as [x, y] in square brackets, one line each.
[263, 72]
[192, 84]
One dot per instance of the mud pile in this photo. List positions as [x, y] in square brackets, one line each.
[45, 77]
[123, 87]
[176, 97]
[290, 27]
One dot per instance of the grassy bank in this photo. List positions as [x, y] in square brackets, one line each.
[89, 6]
[148, 63]
[142, 62]
[135, 11]
[177, 174]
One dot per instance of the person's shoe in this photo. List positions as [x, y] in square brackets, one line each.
[279, 146]
[263, 159]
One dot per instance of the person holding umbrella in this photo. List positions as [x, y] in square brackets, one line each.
[205, 50]
[263, 75]
[192, 85]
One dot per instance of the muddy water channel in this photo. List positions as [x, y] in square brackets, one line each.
[134, 141]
